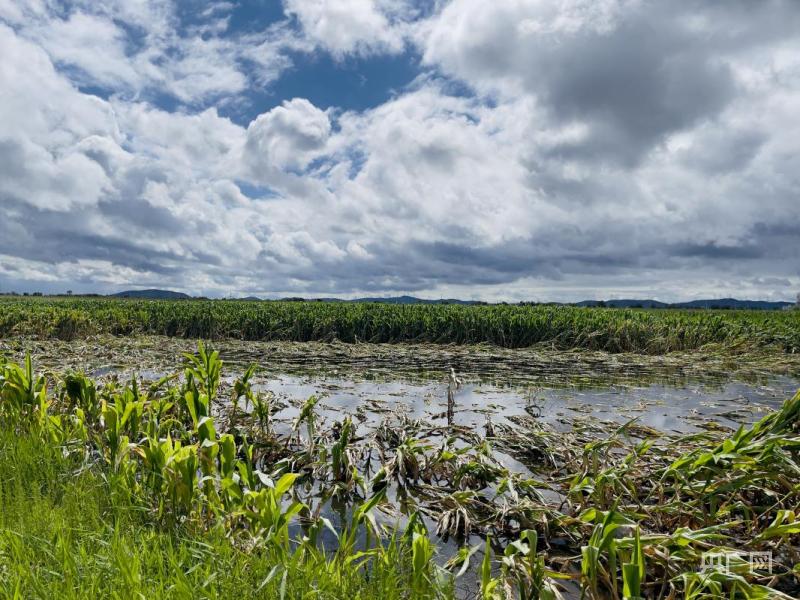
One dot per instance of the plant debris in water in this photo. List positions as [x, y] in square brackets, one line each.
[539, 365]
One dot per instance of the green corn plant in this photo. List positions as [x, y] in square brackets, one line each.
[341, 460]
[21, 391]
[641, 331]
[65, 431]
[307, 416]
[408, 460]
[231, 490]
[207, 452]
[180, 477]
[603, 541]
[246, 467]
[130, 405]
[490, 586]
[421, 560]
[197, 403]
[524, 568]
[205, 368]
[117, 448]
[633, 571]
[113, 436]
[242, 389]
[262, 409]
[462, 558]
[154, 454]
[363, 518]
[609, 483]
[159, 419]
[785, 524]
[82, 394]
[715, 584]
[476, 474]
[264, 510]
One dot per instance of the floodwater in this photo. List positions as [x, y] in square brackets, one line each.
[667, 407]
[663, 407]
[672, 393]
[688, 407]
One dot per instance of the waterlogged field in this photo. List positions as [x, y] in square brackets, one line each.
[144, 465]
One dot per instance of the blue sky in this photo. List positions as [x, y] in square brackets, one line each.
[519, 150]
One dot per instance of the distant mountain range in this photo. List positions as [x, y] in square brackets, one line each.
[404, 300]
[721, 303]
[152, 294]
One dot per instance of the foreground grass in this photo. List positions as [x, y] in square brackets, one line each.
[65, 533]
[614, 330]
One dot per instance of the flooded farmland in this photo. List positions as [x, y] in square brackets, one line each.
[474, 440]
[675, 393]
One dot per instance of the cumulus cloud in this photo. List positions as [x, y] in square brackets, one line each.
[289, 136]
[629, 73]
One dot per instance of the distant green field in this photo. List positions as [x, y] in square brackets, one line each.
[511, 326]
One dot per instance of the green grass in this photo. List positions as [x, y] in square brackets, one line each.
[614, 330]
[110, 492]
[65, 534]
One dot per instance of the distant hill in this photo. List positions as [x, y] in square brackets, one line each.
[733, 303]
[152, 295]
[386, 300]
[625, 303]
[414, 300]
[721, 303]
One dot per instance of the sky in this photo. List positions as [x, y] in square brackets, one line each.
[508, 150]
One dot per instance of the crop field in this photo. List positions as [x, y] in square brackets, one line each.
[574, 453]
[612, 330]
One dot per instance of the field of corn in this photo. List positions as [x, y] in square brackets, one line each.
[186, 487]
[613, 330]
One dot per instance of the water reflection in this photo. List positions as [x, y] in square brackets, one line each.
[660, 406]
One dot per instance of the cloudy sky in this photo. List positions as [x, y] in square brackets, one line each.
[514, 149]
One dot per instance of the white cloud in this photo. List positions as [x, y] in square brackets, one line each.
[576, 165]
[42, 159]
[196, 65]
[199, 143]
[287, 137]
[351, 26]
[92, 44]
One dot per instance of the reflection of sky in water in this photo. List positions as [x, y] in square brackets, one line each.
[659, 406]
